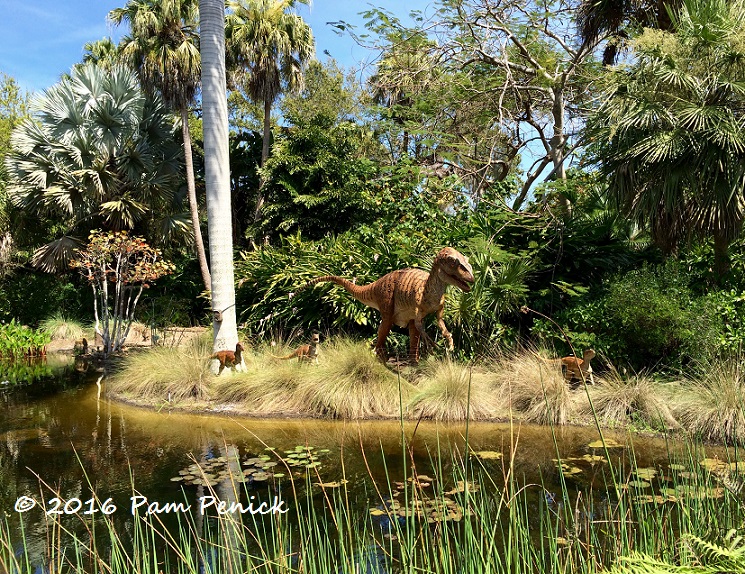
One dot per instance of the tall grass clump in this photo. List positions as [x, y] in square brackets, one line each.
[267, 386]
[165, 373]
[618, 400]
[60, 327]
[713, 406]
[351, 382]
[448, 391]
[534, 387]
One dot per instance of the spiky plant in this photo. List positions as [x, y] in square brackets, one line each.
[60, 327]
[453, 392]
[351, 382]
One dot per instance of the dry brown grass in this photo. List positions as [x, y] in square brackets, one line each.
[618, 400]
[714, 405]
[449, 391]
[166, 373]
[533, 387]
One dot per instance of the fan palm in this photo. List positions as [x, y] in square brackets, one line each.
[670, 133]
[98, 153]
[217, 172]
[613, 18]
[163, 47]
[270, 46]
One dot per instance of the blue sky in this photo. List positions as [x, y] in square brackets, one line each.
[41, 39]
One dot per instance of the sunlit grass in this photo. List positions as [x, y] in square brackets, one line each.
[61, 327]
[165, 373]
[451, 391]
[637, 398]
[711, 405]
[534, 387]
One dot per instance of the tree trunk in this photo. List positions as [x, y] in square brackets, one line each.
[217, 172]
[266, 140]
[557, 142]
[193, 205]
[721, 257]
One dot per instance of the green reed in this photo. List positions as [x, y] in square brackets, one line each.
[470, 514]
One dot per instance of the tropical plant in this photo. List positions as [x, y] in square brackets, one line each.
[269, 46]
[129, 264]
[614, 20]
[217, 172]
[21, 341]
[104, 53]
[669, 131]
[163, 47]
[98, 153]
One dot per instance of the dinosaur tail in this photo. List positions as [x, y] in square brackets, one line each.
[356, 291]
[290, 356]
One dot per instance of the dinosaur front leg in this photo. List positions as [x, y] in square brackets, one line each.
[383, 331]
[445, 333]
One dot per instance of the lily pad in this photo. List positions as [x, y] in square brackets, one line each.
[488, 454]
[609, 443]
[645, 473]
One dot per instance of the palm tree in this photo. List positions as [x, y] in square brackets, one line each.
[98, 153]
[104, 53]
[614, 18]
[270, 46]
[163, 46]
[670, 134]
[217, 172]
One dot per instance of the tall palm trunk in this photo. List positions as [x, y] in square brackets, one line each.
[217, 172]
[266, 140]
[193, 205]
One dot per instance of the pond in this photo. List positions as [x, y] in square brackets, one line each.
[73, 444]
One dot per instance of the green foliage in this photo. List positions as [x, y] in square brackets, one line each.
[112, 163]
[30, 296]
[19, 341]
[647, 316]
[60, 327]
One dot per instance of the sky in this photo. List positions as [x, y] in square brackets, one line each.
[42, 39]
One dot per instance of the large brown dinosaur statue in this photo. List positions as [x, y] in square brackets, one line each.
[405, 297]
[229, 358]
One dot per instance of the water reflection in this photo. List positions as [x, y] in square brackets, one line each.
[76, 444]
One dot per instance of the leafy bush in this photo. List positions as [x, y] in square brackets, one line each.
[646, 317]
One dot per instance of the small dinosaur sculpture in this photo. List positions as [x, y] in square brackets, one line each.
[307, 353]
[405, 297]
[575, 368]
[229, 358]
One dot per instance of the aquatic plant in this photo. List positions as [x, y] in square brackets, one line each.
[21, 341]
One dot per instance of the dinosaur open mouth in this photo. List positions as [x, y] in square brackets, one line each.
[460, 284]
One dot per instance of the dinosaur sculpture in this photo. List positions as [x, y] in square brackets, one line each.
[405, 297]
[580, 369]
[575, 368]
[307, 353]
[229, 358]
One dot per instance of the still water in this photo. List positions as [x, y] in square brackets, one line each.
[70, 441]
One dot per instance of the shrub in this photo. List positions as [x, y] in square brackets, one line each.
[60, 327]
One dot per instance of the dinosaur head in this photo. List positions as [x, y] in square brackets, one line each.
[454, 269]
[589, 354]
[315, 338]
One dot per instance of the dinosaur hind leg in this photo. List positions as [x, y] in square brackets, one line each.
[414, 337]
[383, 331]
